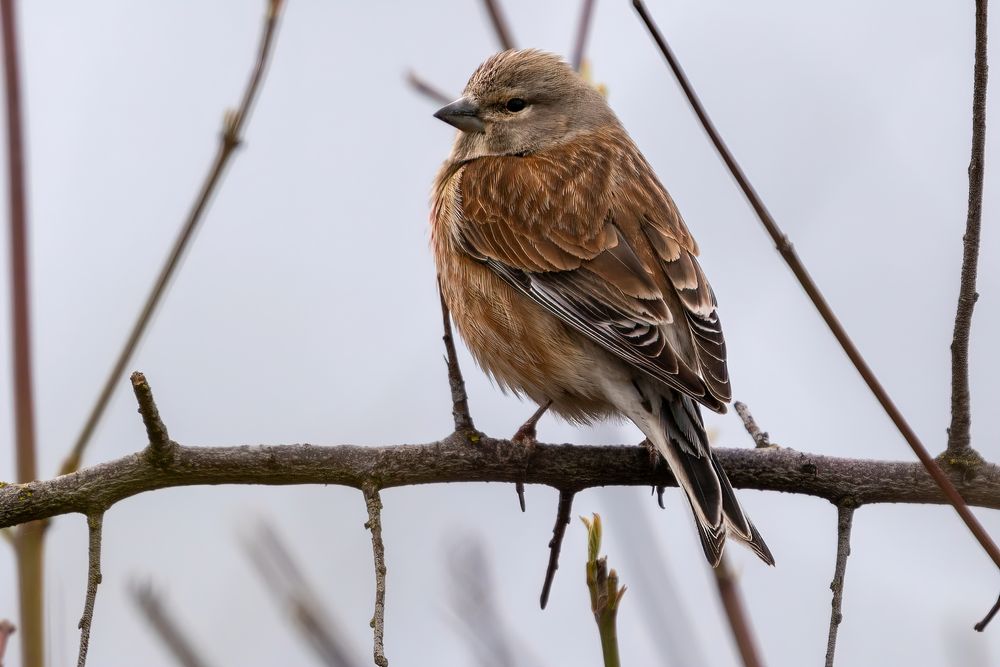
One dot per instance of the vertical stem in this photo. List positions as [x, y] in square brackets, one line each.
[739, 622]
[845, 517]
[95, 526]
[28, 544]
[959, 436]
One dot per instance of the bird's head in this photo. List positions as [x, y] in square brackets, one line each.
[519, 102]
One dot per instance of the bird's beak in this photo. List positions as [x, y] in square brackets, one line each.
[463, 114]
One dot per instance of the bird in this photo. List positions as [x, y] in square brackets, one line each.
[572, 277]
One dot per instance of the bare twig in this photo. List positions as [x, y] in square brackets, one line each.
[160, 446]
[981, 625]
[426, 89]
[29, 543]
[499, 24]
[760, 438]
[374, 524]
[95, 523]
[845, 516]
[582, 30]
[451, 460]
[736, 614]
[786, 250]
[527, 437]
[287, 582]
[230, 139]
[165, 627]
[959, 437]
[6, 630]
[459, 399]
[555, 544]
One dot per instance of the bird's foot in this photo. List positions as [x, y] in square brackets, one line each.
[655, 460]
[526, 436]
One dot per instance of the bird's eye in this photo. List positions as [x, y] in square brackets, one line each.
[516, 104]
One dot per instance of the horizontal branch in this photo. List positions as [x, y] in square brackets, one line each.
[453, 459]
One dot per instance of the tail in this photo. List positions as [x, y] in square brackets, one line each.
[675, 427]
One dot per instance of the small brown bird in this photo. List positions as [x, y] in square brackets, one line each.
[572, 277]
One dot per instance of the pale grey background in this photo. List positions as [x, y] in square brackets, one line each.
[307, 312]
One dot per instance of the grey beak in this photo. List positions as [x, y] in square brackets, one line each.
[462, 113]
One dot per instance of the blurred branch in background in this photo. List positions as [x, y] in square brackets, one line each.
[736, 614]
[959, 436]
[474, 603]
[845, 518]
[169, 632]
[29, 540]
[583, 29]
[500, 26]
[605, 594]
[785, 249]
[286, 581]
[230, 139]
[426, 89]
[6, 630]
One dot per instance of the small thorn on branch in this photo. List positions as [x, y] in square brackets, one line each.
[845, 517]
[95, 524]
[426, 89]
[374, 504]
[760, 438]
[555, 544]
[160, 446]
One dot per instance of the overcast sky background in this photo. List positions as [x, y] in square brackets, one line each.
[306, 311]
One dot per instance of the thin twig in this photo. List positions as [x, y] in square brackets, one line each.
[959, 437]
[6, 630]
[583, 29]
[160, 446]
[229, 140]
[95, 523]
[760, 438]
[981, 625]
[459, 399]
[845, 516]
[426, 89]
[169, 632]
[499, 24]
[374, 524]
[786, 250]
[555, 544]
[736, 614]
[29, 543]
[287, 582]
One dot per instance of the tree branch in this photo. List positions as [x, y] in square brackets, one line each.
[459, 398]
[451, 460]
[582, 30]
[426, 89]
[230, 139]
[563, 509]
[374, 524]
[760, 438]
[959, 437]
[787, 252]
[499, 24]
[95, 524]
[739, 622]
[845, 517]
[6, 630]
[163, 625]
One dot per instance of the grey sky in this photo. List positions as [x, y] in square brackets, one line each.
[307, 312]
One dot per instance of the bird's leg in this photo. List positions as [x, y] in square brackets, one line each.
[527, 437]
